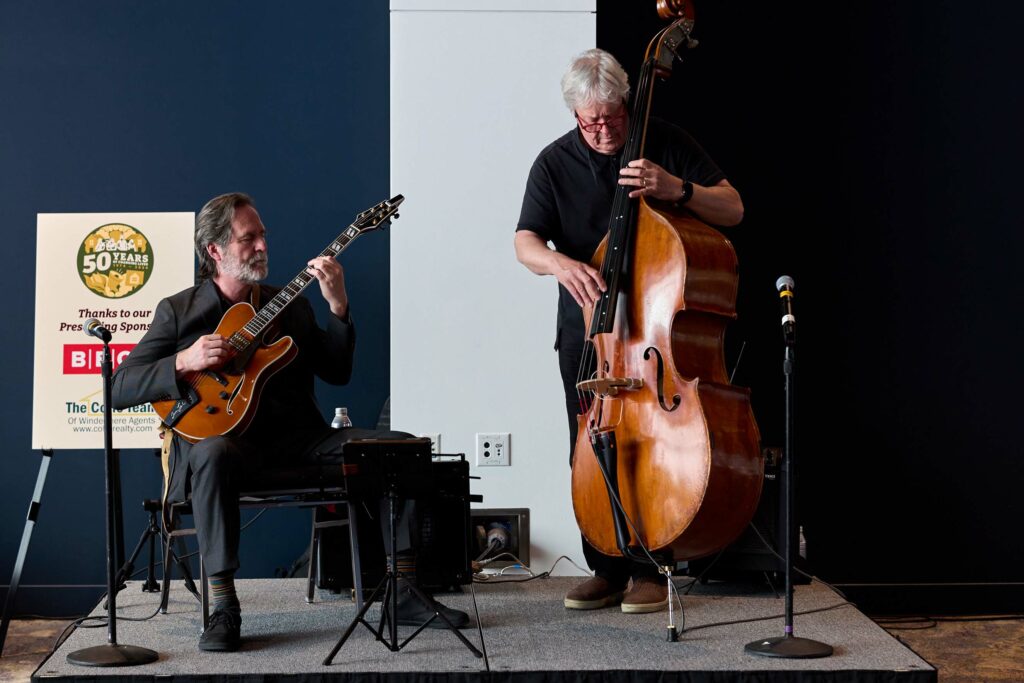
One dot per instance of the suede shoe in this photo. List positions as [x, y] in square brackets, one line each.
[645, 594]
[412, 611]
[223, 634]
[594, 593]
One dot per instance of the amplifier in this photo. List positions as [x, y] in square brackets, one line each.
[748, 558]
[443, 557]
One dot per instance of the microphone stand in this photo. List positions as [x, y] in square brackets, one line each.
[787, 645]
[110, 654]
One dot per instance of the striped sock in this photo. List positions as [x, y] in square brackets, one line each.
[222, 592]
[407, 567]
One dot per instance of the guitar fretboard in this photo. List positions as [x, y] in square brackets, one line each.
[266, 315]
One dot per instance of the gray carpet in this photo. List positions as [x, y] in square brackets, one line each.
[526, 629]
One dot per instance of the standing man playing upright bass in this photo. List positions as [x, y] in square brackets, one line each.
[568, 201]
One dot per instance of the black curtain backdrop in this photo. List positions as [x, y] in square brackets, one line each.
[876, 146]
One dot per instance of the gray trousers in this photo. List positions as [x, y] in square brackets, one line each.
[222, 467]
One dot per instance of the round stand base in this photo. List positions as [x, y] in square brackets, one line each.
[112, 655]
[788, 647]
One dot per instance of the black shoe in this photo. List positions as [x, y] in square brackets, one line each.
[224, 632]
[412, 611]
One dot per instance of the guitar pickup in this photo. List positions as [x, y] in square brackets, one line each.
[217, 377]
[182, 406]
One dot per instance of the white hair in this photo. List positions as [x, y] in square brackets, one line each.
[594, 78]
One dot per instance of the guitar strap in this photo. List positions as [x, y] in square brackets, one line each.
[167, 438]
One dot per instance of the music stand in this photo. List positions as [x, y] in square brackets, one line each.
[396, 470]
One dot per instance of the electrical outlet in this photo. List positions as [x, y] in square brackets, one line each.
[435, 443]
[492, 449]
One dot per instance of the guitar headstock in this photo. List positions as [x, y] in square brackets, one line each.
[378, 216]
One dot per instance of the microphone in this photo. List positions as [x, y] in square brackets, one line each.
[785, 285]
[94, 328]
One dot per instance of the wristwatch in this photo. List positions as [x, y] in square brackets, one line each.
[687, 193]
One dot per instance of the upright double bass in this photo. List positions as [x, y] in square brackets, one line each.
[668, 460]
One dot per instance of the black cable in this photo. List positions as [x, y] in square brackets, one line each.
[924, 626]
[253, 520]
[102, 619]
[491, 547]
[930, 621]
[706, 570]
[66, 633]
[772, 550]
[986, 617]
[773, 616]
[542, 575]
[478, 578]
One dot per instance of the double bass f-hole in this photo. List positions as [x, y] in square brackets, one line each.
[677, 399]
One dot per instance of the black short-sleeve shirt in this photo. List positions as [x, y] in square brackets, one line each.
[570, 189]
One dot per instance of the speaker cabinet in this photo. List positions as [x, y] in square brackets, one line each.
[443, 556]
[748, 558]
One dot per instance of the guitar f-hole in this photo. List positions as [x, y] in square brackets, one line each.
[238, 387]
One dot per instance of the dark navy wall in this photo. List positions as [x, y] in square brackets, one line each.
[158, 106]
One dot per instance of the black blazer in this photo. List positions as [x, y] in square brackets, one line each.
[287, 401]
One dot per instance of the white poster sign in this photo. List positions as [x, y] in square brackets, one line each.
[114, 267]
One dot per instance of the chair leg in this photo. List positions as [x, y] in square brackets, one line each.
[165, 590]
[206, 593]
[314, 547]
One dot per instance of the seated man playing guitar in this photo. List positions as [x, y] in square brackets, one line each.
[287, 427]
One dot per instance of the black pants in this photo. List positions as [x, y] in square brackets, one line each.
[222, 467]
[570, 358]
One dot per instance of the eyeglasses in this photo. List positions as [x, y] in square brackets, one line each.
[594, 126]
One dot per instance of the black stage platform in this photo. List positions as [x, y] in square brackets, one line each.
[529, 636]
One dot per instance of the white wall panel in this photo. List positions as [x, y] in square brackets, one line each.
[474, 97]
[494, 5]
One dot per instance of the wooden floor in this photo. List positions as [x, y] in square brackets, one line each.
[989, 651]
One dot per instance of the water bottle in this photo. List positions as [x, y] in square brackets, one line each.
[341, 418]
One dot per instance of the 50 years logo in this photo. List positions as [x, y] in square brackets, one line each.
[115, 260]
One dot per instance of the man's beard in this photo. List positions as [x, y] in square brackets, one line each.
[249, 272]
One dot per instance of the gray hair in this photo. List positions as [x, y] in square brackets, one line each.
[213, 226]
[594, 78]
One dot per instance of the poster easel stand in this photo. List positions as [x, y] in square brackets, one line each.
[26, 536]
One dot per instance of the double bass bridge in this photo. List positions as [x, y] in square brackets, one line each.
[610, 386]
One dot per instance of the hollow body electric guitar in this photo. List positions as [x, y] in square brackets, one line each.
[223, 400]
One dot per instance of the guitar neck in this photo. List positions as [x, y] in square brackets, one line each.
[296, 285]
